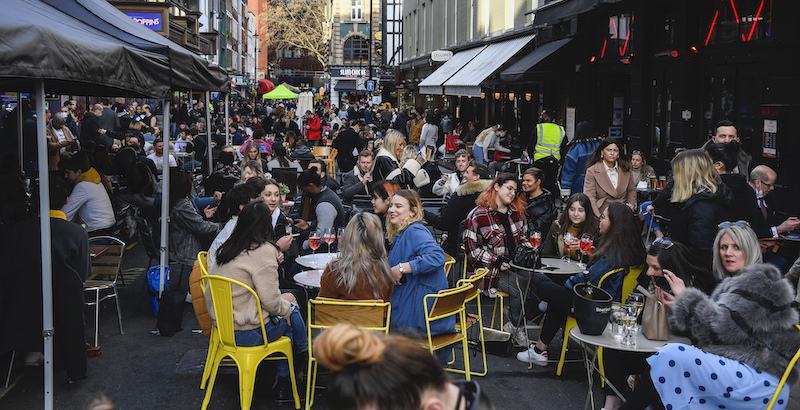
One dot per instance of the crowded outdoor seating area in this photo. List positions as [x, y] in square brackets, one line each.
[361, 250]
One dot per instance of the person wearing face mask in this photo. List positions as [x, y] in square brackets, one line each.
[492, 232]
[725, 132]
[620, 246]
[763, 179]
[577, 219]
[417, 265]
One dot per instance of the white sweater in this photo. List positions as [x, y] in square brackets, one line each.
[91, 203]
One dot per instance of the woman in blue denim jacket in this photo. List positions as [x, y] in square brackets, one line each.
[417, 263]
[573, 171]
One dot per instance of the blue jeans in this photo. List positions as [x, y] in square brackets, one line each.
[477, 152]
[276, 328]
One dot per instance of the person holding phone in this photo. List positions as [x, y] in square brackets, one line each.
[663, 255]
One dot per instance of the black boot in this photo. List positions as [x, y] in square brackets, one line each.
[283, 389]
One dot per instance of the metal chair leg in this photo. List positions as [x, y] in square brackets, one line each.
[10, 365]
[119, 311]
[96, 316]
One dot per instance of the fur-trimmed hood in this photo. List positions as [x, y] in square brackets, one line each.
[749, 318]
[471, 187]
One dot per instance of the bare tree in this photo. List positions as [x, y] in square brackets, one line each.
[296, 24]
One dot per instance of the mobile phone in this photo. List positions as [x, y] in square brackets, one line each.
[662, 283]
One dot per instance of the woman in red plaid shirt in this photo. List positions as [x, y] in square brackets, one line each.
[491, 233]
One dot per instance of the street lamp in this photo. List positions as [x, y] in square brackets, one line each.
[255, 74]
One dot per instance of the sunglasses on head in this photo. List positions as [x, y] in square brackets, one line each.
[637, 152]
[663, 242]
[728, 224]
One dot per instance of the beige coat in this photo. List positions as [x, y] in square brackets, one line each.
[598, 188]
[54, 146]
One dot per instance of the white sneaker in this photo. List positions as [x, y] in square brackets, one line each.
[530, 355]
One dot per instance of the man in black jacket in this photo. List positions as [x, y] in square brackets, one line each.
[459, 205]
[92, 131]
[347, 142]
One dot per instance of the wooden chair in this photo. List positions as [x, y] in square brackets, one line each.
[476, 318]
[446, 303]
[326, 312]
[108, 265]
[321, 152]
[288, 177]
[247, 359]
[628, 285]
[497, 295]
[449, 261]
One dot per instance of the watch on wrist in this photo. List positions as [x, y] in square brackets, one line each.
[400, 266]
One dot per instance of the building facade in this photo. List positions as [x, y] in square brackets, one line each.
[352, 60]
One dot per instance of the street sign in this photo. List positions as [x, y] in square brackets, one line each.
[614, 132]
[370, 85]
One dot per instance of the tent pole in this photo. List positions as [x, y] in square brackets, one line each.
[47, 266]
[227, 126]
[208, 134]
[164, 203]
[19, 129]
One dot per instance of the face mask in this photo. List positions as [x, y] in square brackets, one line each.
[760, 194]
[99, 115]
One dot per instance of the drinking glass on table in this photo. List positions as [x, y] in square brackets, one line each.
[329, 236]
[628, 324]
[636, 300]
[314, 241]
[568, 238]
[536, 239]
[585, 247]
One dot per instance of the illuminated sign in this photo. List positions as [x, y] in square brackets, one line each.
[152, 21]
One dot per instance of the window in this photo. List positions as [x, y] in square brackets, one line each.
[356, 50]
[278, 53]
[297, 54]
[356, 9]
[735, 22]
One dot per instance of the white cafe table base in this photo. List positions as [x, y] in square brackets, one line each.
[318, 261]
[309, 278]
[589, 345]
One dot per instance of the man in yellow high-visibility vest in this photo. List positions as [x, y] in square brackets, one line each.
[545, 145]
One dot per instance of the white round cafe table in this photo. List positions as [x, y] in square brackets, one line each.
[607, 341]
[309, 278]
[557, 266]
[318, 261]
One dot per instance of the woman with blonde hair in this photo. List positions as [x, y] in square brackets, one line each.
[362, 270]
[252, 152]
[388, 372]
[417, 263]
[735, 247]
[693, 205]
[408, 174]
[253, 169]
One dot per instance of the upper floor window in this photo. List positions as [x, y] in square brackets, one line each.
[356, 50]
[356, 9]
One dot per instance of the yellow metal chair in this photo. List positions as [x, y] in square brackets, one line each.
[628, 285]
[784, 377]
[326, 312]
[247, 359]
[498, 296]
[449, 261]
[476, 318]
[446, 303]
[213, 339]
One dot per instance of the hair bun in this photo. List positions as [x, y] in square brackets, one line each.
[345, 345]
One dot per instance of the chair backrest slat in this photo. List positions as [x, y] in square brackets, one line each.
[222, 300]
[368, 314]
[450, 301]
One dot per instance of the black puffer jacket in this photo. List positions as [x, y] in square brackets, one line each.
[748, 318]
[695, 222]
[541, 212]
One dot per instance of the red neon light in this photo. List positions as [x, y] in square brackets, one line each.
[735, 14]
[603, 52]
[627, 38]
[711, 30]
[755, 22]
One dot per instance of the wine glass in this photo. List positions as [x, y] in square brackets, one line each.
[536, 239]
[329, 236]
[314, 241]
[636, 300]
[568, 238]
[585, 247]
[628, 323]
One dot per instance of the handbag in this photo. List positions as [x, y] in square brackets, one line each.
[654, 317]
[526, 257]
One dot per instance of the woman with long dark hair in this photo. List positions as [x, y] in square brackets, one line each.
[576, 220]
[608, 177]
[250, 255]
[620, 247]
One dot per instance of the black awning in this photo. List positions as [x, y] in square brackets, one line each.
[555, 11]
[517, 70]
[345, 85]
